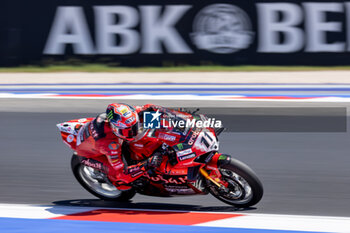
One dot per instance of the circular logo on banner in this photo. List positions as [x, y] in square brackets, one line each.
[222, 28]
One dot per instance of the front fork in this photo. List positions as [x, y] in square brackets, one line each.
[214, 175]
[208, 177]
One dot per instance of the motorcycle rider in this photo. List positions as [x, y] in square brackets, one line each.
[108, 132]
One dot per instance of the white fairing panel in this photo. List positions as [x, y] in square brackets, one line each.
[68, 127]
[206, 142]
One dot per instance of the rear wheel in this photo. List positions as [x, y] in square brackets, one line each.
[97, 182]
[244, 187]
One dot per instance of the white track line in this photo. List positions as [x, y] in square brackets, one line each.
[248, 221]
[285, 222]
[37, 211]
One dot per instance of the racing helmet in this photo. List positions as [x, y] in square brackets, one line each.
[123, 120]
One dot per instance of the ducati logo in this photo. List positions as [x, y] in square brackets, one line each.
[222, 28]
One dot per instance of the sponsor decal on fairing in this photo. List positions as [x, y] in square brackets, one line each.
[187, 156]
[184, 152]
[193, 137]
[70, 138]
[167, 137]
[94, 164]
[170, 180]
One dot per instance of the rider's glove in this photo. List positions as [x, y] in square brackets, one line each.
[154, 161]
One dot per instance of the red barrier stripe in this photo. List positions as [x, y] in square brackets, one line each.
[154, 217]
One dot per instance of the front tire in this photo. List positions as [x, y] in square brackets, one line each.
[97, 183]
[245, 187]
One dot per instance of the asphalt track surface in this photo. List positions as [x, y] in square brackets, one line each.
[303, 173]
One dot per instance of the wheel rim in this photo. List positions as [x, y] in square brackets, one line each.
[98, 182]
[240, 190]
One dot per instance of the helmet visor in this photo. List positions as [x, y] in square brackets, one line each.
[128, 133]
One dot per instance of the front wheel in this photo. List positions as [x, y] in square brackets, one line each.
[97, 183]
[244, 187]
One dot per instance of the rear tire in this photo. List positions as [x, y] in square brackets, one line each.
[245, 182]
[82, 176]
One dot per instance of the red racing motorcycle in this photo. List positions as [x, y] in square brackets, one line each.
[191, 163]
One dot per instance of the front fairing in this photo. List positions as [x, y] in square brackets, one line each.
[188, 142]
